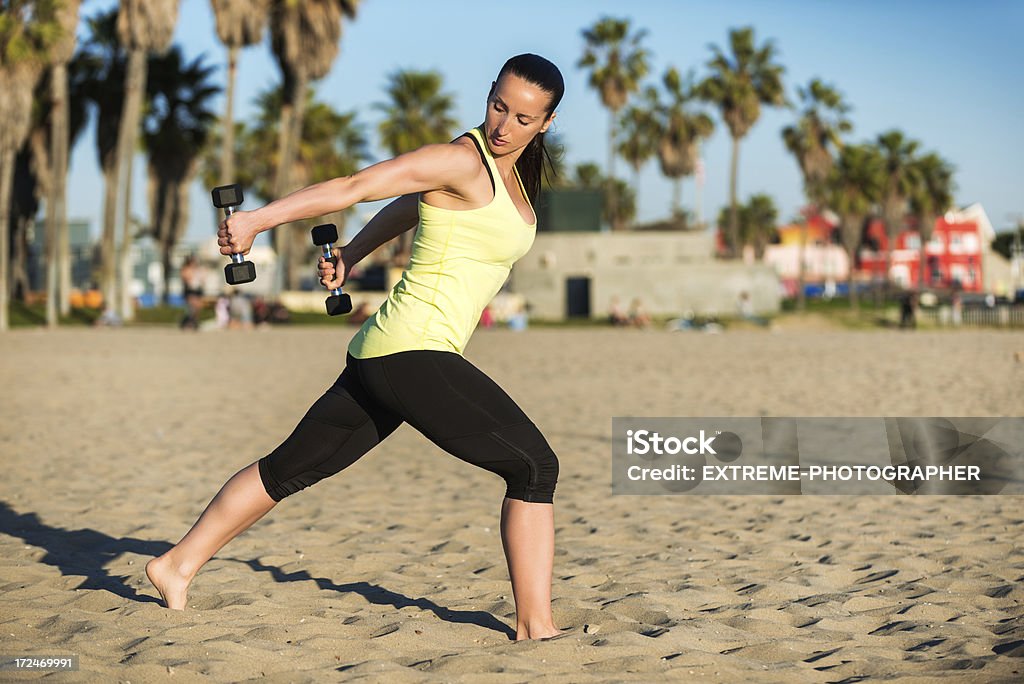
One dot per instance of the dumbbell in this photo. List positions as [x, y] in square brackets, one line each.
[325, 236]
[228, 198]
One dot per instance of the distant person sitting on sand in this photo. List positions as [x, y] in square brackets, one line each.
[520, 318]
[638, 317]
[745, 305]
[616, 316]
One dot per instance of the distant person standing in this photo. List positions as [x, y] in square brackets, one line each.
[241, 311]
[222, 311]
[908, 306]
[192, 280]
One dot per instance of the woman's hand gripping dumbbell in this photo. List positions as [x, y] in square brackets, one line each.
[332, 276]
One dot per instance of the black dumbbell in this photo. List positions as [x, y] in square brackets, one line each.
[325, 236]
[228, 197]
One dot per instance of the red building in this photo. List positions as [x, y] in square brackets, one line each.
[954, 256]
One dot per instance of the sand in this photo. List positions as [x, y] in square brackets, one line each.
[113, 442]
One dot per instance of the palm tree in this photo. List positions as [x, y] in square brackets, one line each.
[739, 84]
[588, 177]
[305, 39]
[814, 141]
[639, 134]
[898, 153]
[36, 174]
[853, 188]
[143, 27]
[930, 197]
[617, 64]
[102, 65]
[758, 223]
[28, 32]
[417, 113]
[680, 133]
[176, 129]
[56, 212]
[240, 23]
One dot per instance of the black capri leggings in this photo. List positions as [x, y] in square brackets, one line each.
[441, 394]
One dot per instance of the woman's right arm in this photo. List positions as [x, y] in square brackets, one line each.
[390, 222]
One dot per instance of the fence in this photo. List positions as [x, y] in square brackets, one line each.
[999, 316]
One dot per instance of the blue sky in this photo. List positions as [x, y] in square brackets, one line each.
[946, 73]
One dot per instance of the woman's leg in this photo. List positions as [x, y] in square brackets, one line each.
[339, 428]
[528, 537]
[240, 502]
[467, 414]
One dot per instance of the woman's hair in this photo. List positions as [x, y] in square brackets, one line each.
[546, 76]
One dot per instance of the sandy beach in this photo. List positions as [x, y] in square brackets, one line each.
[114, 441]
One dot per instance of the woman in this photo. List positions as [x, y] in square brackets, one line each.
[192, 282]
[473, 201]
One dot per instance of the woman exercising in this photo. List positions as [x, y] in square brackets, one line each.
[472, 203]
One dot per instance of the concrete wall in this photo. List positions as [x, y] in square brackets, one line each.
[670, 272]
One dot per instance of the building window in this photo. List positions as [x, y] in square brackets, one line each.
[914, 241]
[971, 243]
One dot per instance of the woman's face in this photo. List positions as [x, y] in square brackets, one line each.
[516, 111]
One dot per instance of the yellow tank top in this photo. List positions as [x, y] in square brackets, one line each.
[460, 259]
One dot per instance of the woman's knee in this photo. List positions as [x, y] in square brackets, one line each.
[543, 466]
[518, 453]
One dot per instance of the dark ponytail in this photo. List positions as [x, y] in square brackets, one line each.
[546, 76]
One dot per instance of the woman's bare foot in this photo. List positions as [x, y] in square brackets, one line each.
[525, 632]
[172, 585]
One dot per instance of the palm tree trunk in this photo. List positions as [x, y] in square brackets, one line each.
[227, 153]
[923, 260]
[887, 285]
[125, 308]
[801, 296]
[677, 195]
[854, 304]
[165, 259]
[127, 135]
[19, 260]
[108, 243]
[55, 210]
[733, 236]
[281, 186]
[6, 181]
[64, 262]
[610, 182]
[636, 187]
[298, 238]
